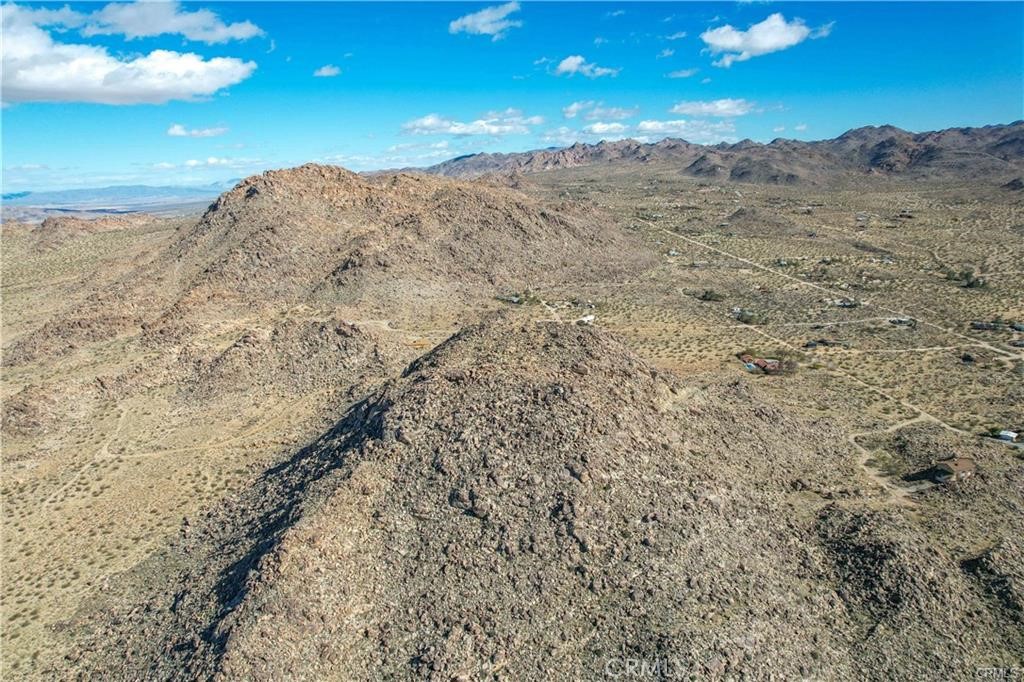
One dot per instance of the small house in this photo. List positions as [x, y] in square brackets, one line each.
[1007, 435]
[955, 469]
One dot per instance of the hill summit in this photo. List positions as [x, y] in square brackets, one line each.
[325, 233]
[531, 500]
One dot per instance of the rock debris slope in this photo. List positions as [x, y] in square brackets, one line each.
[324, 234]
[531, 501]
[323, 237]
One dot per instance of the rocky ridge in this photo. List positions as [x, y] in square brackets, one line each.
[530, 500]
[994, 152]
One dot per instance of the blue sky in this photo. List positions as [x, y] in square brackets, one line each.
[190, 93]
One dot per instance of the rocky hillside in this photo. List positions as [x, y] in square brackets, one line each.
[995, 152]
[290, 357]
[532, 501]
[323, 236]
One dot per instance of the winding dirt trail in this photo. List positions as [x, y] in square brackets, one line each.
[896, 493]
[834, 292]
[102, 453]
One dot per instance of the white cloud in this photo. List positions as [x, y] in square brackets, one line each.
[702, 132]
[717, 107]
[599, 41]
[577, 64]
[800, 127]
[613, 113]
[563, 136]
[681, 73]
[398, 155]
[209, 162]
[666, 53]
[779, 129]
[594, 111]
[327, 71]
[600, 128]
[491, 21]
[147, 19]
[575, 108]
[142, 19]
[406, 146]
[616, 13]
[27, 167]
[771, 35]
[178, 130]
[679, 35]
[164, 165]
[508, 122]
[705, 81]
[38, 69]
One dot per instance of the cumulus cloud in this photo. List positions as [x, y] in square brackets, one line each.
[398, 155]
[491, 21]
[577, 64]
[210, 161]
[178, 130]
[771, 35]
[594, 111]
[38, 69]
[779, 129]
[147, 19]
[143, 19]
[601, 128]
[679, 35]
[694, 130]
[562, 136]
[575, 108]
[508, 122]
[667, 52]
[702, 132]
[407, 146]
[327, 71]
[681, 73]
[716, 107]
[800, 127]
[217, 162]
[613, 113]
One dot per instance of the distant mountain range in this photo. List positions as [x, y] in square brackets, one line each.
[123, 197]
[995, 152]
